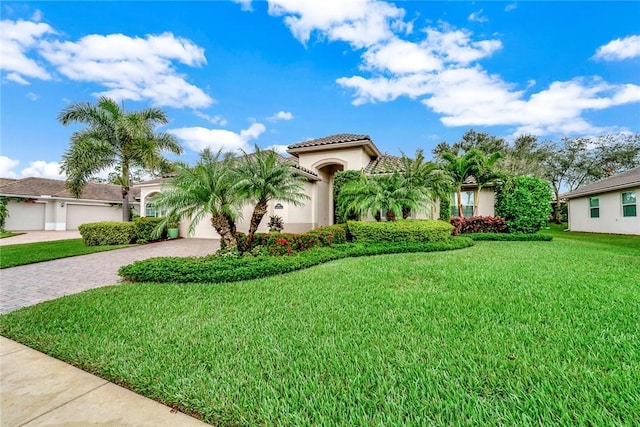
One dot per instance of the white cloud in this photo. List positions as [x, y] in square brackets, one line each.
[6, 167]
[199, 138]
[37, 16]
[17, 78]
[132, 67]
[43, 169]
[510, 7]
[278, 148]
[281, 115]
[400, 56]
[32, 96]
[216, 120]
[17, 38]
[619, 49]
[358, 22]
[245, 5]
[477, 17]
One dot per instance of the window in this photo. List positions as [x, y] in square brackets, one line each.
[629, 207]
[594, 207]
[468, 198]
[150, 210]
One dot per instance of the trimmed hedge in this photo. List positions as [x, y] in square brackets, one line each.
[289, 243]
[510, 237]
[213, 269]
[108, 233]
[478, 224]
[331, 234]
[406, 230]
[144, 229]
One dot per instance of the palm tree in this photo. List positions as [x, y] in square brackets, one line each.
[114, 137]
[207, 188]
[424, 177]
[370, 195]
[459, 168]
[485, 173]
[264, 176]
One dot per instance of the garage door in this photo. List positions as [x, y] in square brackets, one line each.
[25, 216]
[81, 214]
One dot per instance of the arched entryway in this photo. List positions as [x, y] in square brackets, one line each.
[325, 206]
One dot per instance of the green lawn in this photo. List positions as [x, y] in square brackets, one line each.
[29, 253]
[503, 333]
[6, 234]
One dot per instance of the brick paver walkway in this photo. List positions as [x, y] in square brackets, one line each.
[30, 284]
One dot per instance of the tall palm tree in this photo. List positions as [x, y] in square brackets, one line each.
[485, 173]
[459, 168]
[262, 177]
[207, 188]
[424, 177]
[114, 137]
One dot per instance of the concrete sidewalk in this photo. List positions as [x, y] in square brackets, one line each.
[38, 390]
[39, 236]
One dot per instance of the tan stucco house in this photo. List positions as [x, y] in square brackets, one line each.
[317, 160]
[606, 206]
[47, 204]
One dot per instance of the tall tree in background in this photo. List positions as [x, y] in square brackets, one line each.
[525, 157]
[579, 161]
[262, 177]
[114, 137]
[482, 141]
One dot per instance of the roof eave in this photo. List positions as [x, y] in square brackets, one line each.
[578, 193]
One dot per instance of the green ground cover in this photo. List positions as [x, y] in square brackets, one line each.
[502, 333]
[5, 234]
[29, 253]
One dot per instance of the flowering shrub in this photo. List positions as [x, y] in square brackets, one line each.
[332, 234]
[478, 224]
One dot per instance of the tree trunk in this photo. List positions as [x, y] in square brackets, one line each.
[259, 211]
[126, 214]
[406, 212]
[459, 196]
[557, 214]
[226, 229]
[391, 215]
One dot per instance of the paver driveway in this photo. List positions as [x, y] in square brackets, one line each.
[30, 284]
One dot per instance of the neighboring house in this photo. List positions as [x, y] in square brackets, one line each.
[317, 160]
[47, 204]
[606, 206]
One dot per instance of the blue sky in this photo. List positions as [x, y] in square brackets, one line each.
[231, 74]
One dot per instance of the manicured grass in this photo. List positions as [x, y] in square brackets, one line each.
[502, 333]
[5, 234]
[29, 253]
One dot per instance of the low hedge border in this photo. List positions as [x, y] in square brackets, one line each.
[405, 230]
[213, 269]
[509, 237]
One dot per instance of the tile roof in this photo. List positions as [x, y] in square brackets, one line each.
[329, 140]
[628, 179]
[37, 187]
[384, 164]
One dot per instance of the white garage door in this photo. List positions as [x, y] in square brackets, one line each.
[81, 214]
[25, 216]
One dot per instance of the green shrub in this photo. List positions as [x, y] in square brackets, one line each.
[339, 180]
[331, 234]
[409, 230]
[219, 269]
[445, 209]
[144, 229]
[524, 203]
[108, 233]
[510, 237]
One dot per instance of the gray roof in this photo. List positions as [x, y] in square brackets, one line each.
[384, 164]
[330, 140]
[37, 187]
[628, 179]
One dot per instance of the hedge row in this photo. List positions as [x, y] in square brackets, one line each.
[289, 243]
[510, 237]
[119, 233]
[212, 269]
[478, 224]
[408, 230]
